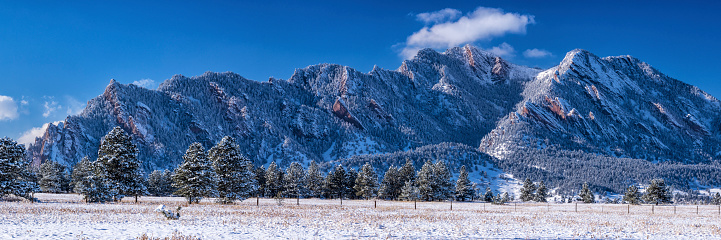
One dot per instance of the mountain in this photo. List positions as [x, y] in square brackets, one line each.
[607, 110]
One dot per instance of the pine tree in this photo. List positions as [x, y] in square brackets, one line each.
[52, 176]
[541, 192]
[366, 184]
[426, 182]
[464, 190]
[81, 171]
[120, 168]
[488, 197]
[273, 180]
[444, 186]
[15, 178]
[586, 194]
[294, 180]
[657, 192]
[410, 192]
[236, 179]
[260, 179]
[195, 177]
[528, 190]
[160, 183]
[350, 176]
[631, 196]
[407, 173]
[314, 180]
[391, 185]
[716, 199]
[335, 182]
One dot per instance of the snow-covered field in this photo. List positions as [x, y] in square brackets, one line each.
[64, 216]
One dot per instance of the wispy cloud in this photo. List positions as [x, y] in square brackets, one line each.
[536, 53]
[73, 106]
[8, 108]
[481, 24]
[443, 15]
[146, 83]
[504, 50]
[50, 106]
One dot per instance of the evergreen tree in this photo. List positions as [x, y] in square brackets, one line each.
[273, 180]
[488, 196]
[314, 180]
[15, 178]
[426, 182]
[120, 166]
[236, 179]
[335, 182]
[410, 192]
[52, 177]
[407, 173]
[195, 177]
[391, 184]
[716, 199]
[541, 192]
[631, 196]
[464, 190]
[444, 186]
[528, 190]
[260, 179]
[586, 194]
[294, 180]
[366, 184]
[160, 183]
[657, 192]
[350, 176]
[81, 171]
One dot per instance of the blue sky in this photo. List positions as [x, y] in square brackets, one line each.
[56, 55]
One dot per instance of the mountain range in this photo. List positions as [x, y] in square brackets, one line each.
[609, 121]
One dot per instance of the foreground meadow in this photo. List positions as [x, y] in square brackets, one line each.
[65, 216]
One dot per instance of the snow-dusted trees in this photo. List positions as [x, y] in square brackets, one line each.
[14, 174]
[391, 184]
[410, 192]
[195, 178]
[260, 179]
[528, 190]
[657, 192]
[434, 181]
[407, 172]
[631, 196]
[160, 183]
[488, 196]
[52, 177]
[541, 192]
[294, 180]
[314, 180]
[366, 184]
[273, 180]
[464, 189]
[350, 176]
[119, 166]
[334, 183]
[236, 179]
[81, 171]
[586, 194]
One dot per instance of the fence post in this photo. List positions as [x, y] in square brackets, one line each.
[375, 203]
[341, 201]
[297, 201]
[628, 208]
[415, 206]
[451, 205]
[257, 201]
[696, 209]
[652, 208]
[576, 207]
[674, 209]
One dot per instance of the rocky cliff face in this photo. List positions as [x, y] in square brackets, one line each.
[613, 107]
[322, 112]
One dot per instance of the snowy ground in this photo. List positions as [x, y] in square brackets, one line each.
[63, 216]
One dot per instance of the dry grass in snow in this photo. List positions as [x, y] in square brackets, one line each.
[65, 216]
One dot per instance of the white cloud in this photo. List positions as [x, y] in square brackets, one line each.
[443, 15]
[481, 24]
[504, 50]
[146, 83]
[29, 136]
[8, 108]
[50, 106]
[536, 53]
